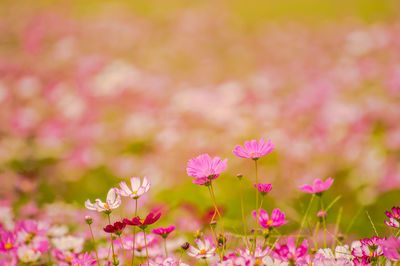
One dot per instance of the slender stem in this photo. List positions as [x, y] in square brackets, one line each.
[179, 259]
[323, 220]
[123, 248]
[112, 244]
[165, 247]
[214, 235]
[147, 252]
[316, 236]
[94, 245]
[243, 219]
[303, 221]
[210, 187]
[134, 235]
[257, 211]
[397, 234]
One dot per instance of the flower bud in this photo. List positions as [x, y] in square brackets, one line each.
[88, 219]
[185, 246]
[198, 234]
[221, 239]
[321, 215]
[239, 176]
[213, 223]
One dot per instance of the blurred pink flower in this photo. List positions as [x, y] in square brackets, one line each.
[318, 187]
[277, 218]
[7, 241]
[263, 188]
[164, 232]
[291, 253]
[253, 149]
[391, 248]
[204, 169]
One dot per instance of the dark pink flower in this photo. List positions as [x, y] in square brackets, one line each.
[164, 232]
[143, 223]
[277, 218]
[254, 149]
[7, 241]
[204, 169]
[117, 228]
[263, 188]
[318, 187]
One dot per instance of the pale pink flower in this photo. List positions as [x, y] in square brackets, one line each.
[113, 201]
[277, 218]
[318, 187]
[204, 249]
[253, 149]
[137, 188]
[204, 169]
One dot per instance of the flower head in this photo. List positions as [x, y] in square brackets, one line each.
[164, 232]
[204, 249]
[318, 187]
[113, 201]
[83, 260]
[151, 218]
[254, 149]
[7, 241]
[290, 253]
[263, 188]
[394, 217]
[137, 188]
[391, 248]
[204, 169]
[277, 218]
[116, 228]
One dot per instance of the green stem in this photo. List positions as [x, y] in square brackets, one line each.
[257, 211]
[94, 245]
[165, 247]
[145, 243]
[112, 244]
[397, 234]
[219, 214]
[243, 219]
[134, 234]
[323, 220]
[316, 236]
[214, 235]
[303, 221]
[179, 259]
[123, 248]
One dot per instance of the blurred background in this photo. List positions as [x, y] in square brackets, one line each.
[93, 92]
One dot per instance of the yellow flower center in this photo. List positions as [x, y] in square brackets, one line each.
[106, 206]
[141, 220]
[69, 259]
[134, 192]
[8, 246]
[269, 222]
[258, 262]
[203, 252]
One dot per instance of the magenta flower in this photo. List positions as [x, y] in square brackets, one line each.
[391, 248]
[204, 169]
[289, 252]
[7, 241]
[394, 217]
[263, 188]
[277, 218]
[116, 228]
[318, 187]
[164, 232]
[253, 149]
[83, 260]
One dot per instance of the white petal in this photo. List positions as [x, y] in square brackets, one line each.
[90, 206]
[135, 183]
[111, 196]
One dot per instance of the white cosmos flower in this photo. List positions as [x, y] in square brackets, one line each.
[113, 201]
[137, 188]
[26, 254]
[57, 230]
[204, 250]
[69, 243]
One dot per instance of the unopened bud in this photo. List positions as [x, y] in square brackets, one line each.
[88, 219]
[239, 176]
[213, 223]
[198, 234]
[321, 215]
[340, 237]
[185, 246]
[221, 239]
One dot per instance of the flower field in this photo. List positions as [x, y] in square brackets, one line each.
[199, 132]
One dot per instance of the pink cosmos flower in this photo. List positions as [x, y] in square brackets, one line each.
[289, 252]
[263, 188]
[204, 169]
[164, 232]
[136, 190]
[277, 218]
[253, 149]
[318, 187]
[391, 248]
[205, 249]
[394, 217]
[83, 260]
[7, 242]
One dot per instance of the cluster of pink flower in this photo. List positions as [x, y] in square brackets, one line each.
[35, 242]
